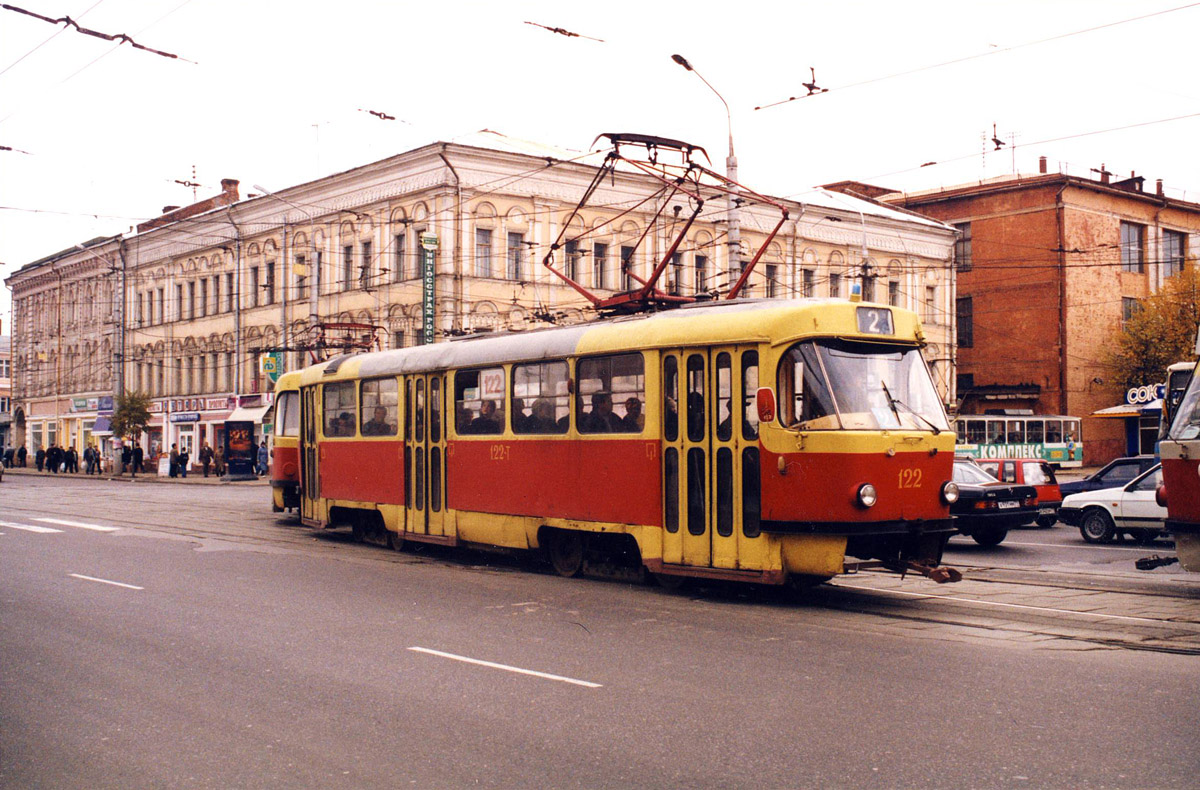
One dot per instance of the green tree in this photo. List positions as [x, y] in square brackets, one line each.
[1163, 331]
[131, 415]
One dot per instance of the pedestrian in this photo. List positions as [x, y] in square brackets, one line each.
[72, 460]
[138, 455]
[54, 458]
[206, 457]
[173, 467]
[126, 457]
[39, 458]
[8, 458]
[219, 461]
[183, 462]
[21, 453]
[87, 460]
[264, 457]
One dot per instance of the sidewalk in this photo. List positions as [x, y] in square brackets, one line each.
[193, 478]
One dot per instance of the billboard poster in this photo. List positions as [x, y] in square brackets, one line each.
[239, 448]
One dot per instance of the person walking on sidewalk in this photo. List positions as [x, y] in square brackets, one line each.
[264, 457]
[137, 459]
[183, 462]
[21, 453]
[206, 457]
[173, 469]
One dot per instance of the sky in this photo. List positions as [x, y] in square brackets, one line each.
[280, 93]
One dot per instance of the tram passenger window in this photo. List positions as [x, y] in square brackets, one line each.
[479, 401]
[339, 409]
[960, 431]
[541, 401]
[749, 395]
[435, 412]
[610, 394]
[804, 398]
[380, 403]
[751, 493]
[670, 389]
[695, 398]
[724, 396]
[1072, 430]
[1054, 431]
[995, 431]
[976, 431]
[1035, 431]
[1016, 432]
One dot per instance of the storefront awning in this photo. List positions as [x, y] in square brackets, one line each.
[103, 426]
[1126, 410]
[248, 414]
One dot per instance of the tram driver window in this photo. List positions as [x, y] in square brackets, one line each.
[611, 394]
[340, 410]
[541, 401]
[380, 405]
[804, 399]
[479, 401]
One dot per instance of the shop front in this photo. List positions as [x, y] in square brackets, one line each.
[1141, 413]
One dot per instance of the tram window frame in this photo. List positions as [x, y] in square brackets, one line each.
[536, 385]
[287, 411]
[749, 395]
[470, 397]
[995, 432]
[1035, 431]
[1054, 431]
[600, 376]
[670, 393]
[723, 369]
[1072, 432]
[694, 367]
[375, 394]
[976, 431]
[339, 407]
[809, 406]
[1014, 432]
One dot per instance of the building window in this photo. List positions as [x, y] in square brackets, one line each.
[931, 304]
[398, 339]
[203, 297]
[216, 294]
[771, 269]
[571, 249]
[894, 293]
[179, 301]
[599, 265]
[229, 293]
[301, 279]
[347, 266]
[269, 285]
[962, 247]
[808, 283]
[1173, 251]
[1129, 308]
[964, 314]
[675, 275]
[364, 269]
[868, 289]
[254, 283]
[1133, 247]
[399, 270]
[835, 285]
[483, 252]
[191, 299]
[626, 268]
[701, 274]
[516, 256]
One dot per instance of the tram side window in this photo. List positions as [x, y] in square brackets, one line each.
[1054, 431]
[541, 401]
[340, 409]
[611, 394]
[960, 429]
[1072, 429]
[976, 431]
[479, 401]
[995, 431]
[1016, 432]
[380, 406]
[1035, 431]
[749, 395]
[287, 421]
[804, 399]
[724, 397]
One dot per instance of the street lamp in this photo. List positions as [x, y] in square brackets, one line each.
[731, 203]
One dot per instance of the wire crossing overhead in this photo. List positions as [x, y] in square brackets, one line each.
[120, 38]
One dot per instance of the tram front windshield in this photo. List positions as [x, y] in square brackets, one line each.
[1186, 423]
[847, 385]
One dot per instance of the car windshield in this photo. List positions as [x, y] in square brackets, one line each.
[848, 385]
[970, 473]
[1150, 481]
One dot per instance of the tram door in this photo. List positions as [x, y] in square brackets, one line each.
[700, 464]
[425, 454]
[310, 484]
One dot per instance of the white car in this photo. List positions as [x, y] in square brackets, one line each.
[1104, 515]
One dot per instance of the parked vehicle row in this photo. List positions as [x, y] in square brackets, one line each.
[1104, 515]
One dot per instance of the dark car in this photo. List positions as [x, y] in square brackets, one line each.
[986, 508]
[1115, 475]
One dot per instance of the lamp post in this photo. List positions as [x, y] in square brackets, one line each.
[733, 225]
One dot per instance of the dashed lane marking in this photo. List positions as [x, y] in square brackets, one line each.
[506, 667]
[106, 581]
[28, 527]
[80, 524]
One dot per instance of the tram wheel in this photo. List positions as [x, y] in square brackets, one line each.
[565, 550]
[1097, 527]
[989, 537]
[395, 541]
[669, 581]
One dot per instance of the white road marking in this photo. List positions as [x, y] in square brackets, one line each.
[507, 668]
[106, 581]
[1142, 550]
[28, 527]
[1005, 605]
[80, 524]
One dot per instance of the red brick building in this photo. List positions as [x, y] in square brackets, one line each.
[1048, 267]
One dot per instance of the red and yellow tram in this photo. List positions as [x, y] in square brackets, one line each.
[763, 441]
[285, 455]
[1180, 492]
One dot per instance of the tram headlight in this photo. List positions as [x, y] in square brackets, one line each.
[867, 496]
[950, 492]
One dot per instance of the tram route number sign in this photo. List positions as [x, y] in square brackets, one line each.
[429, 246]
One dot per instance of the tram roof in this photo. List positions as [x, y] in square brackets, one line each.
[772, 321]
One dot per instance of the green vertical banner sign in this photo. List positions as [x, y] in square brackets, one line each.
[429, 245]
[271, 365]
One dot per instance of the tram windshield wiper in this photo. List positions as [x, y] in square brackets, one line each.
[894, 402]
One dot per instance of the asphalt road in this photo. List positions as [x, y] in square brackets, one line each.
[208, 643]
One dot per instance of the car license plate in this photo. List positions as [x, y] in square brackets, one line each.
[1045, 511]
[1006, 505]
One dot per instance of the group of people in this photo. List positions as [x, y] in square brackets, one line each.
[54, 459]
[543, 418]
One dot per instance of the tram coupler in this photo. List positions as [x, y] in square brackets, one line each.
[1154, 561]
[940, 574]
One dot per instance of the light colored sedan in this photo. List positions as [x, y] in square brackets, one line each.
[1104, 515]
